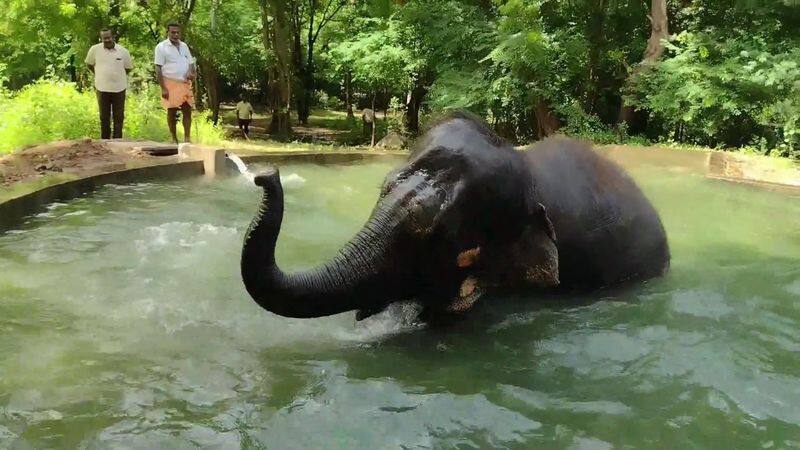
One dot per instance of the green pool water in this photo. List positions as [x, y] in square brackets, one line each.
[124, 324]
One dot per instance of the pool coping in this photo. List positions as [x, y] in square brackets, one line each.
[196, 160]
[754, 170]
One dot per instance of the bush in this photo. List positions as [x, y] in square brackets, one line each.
[145, 119]
[578, 123]
[395, 118]
[51, 110]
[324, 101]
[736, 92]
[46, 111]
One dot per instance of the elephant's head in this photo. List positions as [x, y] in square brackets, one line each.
[460, 214]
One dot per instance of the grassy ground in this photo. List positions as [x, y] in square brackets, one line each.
[266, 145]
[327, 127]
[330, 130]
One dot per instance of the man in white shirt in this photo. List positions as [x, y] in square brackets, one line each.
[110, 63]
[175, 71]
[244, 114]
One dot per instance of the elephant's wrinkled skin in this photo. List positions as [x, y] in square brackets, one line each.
[467, 213]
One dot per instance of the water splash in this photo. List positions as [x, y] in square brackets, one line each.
[292, 180]
[240, 165]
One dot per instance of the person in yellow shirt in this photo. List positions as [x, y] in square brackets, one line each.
[244, 115]
[110, 63]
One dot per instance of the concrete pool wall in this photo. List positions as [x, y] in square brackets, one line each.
[24, 199]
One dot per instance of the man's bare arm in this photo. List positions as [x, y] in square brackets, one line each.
[192, 73]
[164, 91]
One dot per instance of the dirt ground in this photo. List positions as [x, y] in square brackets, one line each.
[301, 133]
[325, 127]
[62, 156]
[86, 156]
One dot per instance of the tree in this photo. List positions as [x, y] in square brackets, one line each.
[375, 59]
[728, 77]
[275, 32]
[225, 35]
[39, 38]
[434, 35]
[309, 17]
[655, 48]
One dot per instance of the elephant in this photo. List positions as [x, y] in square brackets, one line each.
[465, 215]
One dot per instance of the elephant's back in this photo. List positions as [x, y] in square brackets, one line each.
[607, 230]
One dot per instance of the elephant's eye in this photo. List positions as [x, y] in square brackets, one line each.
[389, 187]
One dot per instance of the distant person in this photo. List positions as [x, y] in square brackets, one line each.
[110, 63]
[244, 115]
[175, 70]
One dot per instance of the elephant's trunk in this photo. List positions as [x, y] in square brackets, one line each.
[353, 279]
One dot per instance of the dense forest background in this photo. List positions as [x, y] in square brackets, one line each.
[717, 73]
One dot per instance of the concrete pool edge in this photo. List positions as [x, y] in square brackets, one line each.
[14, 211]
[755, 170]
[196, 160]
[338, 157]
[199, 160]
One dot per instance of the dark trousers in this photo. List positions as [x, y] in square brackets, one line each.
[112, 104]
[244, 124]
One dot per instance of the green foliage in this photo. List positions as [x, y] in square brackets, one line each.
[145, 118]
[580, 124]
[547, 53]
[323, 100]
[47, 111]
[733, 92]
[394, 117]
[375, 56]
[730, 76]
[52, 110]
[41, 37]
[229, 35]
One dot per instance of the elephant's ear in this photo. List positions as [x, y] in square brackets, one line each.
[439, 165]
[436, 205]
[544, 221]
[535, 255]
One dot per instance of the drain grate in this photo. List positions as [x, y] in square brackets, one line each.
[160, 150]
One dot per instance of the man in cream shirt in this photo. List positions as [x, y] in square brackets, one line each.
[175, 71]
[244, 114]
[110, 63]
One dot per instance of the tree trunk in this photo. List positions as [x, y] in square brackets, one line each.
[187, 14]
[308, 76]
[72, 69]
[547, 123]
[304, 97]
[305, 71]
[413, 104]
[276, 38]
[348, 94]
[299, 69]
[597, 16]
[374, 120]
[199, 87]
[275, 105]
[214, 9]
[210, 75]
[114, 11]
[655, 48]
